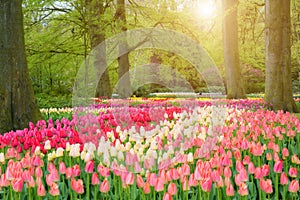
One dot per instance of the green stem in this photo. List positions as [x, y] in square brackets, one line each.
[284, 192]
[199, 192]
[10, 192]
[259, 191]
[95, 192]
[29, 194]
[88, 186]
[276, 186]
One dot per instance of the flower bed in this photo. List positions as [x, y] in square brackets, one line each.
[182, 150]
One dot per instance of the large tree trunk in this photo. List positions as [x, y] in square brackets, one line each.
[234, 83]
[278, 91]
[124, 86]
[17, 101]
[97, 36]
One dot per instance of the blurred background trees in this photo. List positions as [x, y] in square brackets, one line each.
[60, 34]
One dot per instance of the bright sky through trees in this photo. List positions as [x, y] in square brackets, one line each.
[206, 9]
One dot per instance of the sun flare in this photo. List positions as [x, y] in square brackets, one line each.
[206, 9]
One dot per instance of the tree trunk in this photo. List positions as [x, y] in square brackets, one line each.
[17, 101]
[97, 36]
[234, 83]
[124, 86]
[278, 91]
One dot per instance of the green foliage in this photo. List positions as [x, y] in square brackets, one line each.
[57, 42]
[53, 101]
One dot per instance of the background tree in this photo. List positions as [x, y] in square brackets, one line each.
[278, 89]
[234, 83]
[95, 12]
[17, 101]
[124, 86]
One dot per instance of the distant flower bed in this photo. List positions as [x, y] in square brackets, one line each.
[155, 149]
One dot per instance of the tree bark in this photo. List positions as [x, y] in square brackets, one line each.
[234, 82]
[278, 90]
[97, 36]
[124, 86]
[17, 101]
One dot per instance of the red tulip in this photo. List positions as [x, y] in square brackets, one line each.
[278, 166]
[294, 186]
[104, 187]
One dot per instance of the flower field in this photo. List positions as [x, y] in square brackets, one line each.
[154, 149]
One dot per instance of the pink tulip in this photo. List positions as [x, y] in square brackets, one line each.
[172, 189]
[206, 184]
[76, 170]
[160, 185]
[283, 179]
[69, 172]
[285, 153]
[295, 159]
[278, 166]
[230, 190]
[139, 181]
[266, 186]
[129, 178]
[147, 188]
[38, 172]
[227, 172]
[41, 190]
[103, 171]
[294, 186]
[243, 190]
[293, 172]
[77, 186]
[265, 170]
[17, 184]
[167, 196]
[104, 187]
[54, 190]
[62, 168]
[95, 179]
[89, 167]
[251, 168]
